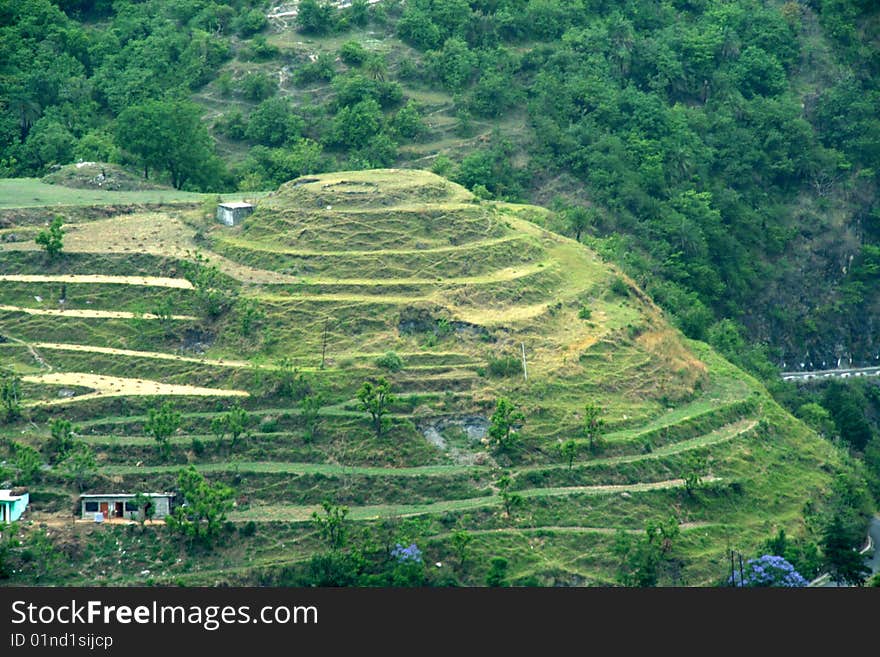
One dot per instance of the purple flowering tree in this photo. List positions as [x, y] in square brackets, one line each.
[768, 570]
[408, 554]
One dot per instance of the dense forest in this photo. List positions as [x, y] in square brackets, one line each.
[725, 154]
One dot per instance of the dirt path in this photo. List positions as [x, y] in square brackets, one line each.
[147, 281]
[158, 355]
[115, 386]
[96, 314]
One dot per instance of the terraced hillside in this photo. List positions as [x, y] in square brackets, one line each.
[350, 277]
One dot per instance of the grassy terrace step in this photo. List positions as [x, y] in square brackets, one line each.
[267, 513]
[33, 192]
[721, 435]
[477, 258]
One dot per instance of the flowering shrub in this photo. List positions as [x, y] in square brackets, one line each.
[410, 554]
[768, 570]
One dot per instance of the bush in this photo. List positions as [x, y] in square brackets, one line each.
[505, 366]
[251, 22]
[257, 86]
[585, 313]
[353, 53]
[248, 529]
[619, 287]
[390, 361]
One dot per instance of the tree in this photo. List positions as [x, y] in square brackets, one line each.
[593, 425]
[315, 17]
[310, 409]
[643, 560]
[80, 464]
[568, 450]
[62, 440]
[505, 418]
[331, 525]
[169, 135]
[578, 219]
[161, 424]
[509, 499]
[10, 396]
[375, 400]
[201, 516]
[52, 239]
[460, 542]
[273, 123]
[841, 559]
[497, 572]
[693, 474]
[28, 463]
[211, 290]
[235, 422]
[769, 570]
[144, 506]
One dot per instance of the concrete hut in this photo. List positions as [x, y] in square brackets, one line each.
[13, 502]
[112, 506]
[233, 213]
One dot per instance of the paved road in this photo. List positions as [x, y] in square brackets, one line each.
[840, 373]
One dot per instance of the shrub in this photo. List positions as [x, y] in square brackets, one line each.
[353, 53]
[619, 287]
[390, 361]
[504, 366]
[585, 313]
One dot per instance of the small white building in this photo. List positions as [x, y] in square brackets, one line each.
[233, 213]
[13, 502]
[121, 505]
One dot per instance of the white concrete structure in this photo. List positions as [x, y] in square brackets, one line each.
[233, 213]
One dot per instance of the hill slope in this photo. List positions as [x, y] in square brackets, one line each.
[343, 278]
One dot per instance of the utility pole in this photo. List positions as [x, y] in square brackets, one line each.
[525, 368]
[324, 342]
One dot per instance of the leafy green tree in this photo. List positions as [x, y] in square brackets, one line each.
[145, 508]
[568, 451]
[213, 296]
[509, 499]
[237, 422]
[79, 465]
[28, 463]
[353, 53]
[460, 540]
[497, 572]
[694, 469]
[273, 123]
[315, 17]
[331, 524]
[257, 86]
[502, 423]
[841, 558]
[578, 219]
[200, 518]
[407, 123]
[168, 135]
[594, 425]
[310, 410]
[10, 396]
[161, 424]
[52, 239]
[375, 398]
[354, 127]
[644, 560]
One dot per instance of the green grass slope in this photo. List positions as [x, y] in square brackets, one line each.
[331, 272]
